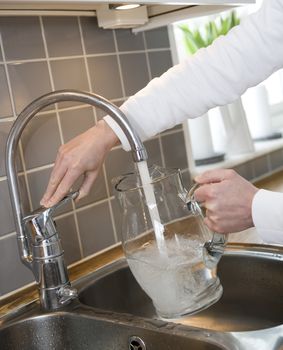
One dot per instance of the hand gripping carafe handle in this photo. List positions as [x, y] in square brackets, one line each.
[214, 248]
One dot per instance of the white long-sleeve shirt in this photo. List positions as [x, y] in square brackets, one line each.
[216, 76]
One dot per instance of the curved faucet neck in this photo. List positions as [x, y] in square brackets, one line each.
[54, 292]
[137, 148]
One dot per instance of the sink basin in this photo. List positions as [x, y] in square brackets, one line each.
[86, 330]
[252, 299]
[113, 312]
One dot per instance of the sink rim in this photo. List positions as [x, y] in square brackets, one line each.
[79, 311]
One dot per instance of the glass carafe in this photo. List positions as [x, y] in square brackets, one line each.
[175, 263]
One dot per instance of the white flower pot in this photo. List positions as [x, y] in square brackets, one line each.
[230, 130]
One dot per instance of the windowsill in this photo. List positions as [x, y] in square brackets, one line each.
[261, 148]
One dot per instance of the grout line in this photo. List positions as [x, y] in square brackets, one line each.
[161, 152]
[60, 58]
[78, 230]
[268, 161]
[8, 79]
[88, 206]
[50, 75]
[146, 55]
[113, 221]
[48, 166]
[20, 147]
[94, 117]
[8, 235]
[158, 137]
[84, 53]
[58, 117]
[34, 170]
[109, 202]
[104, 168]
[119, 63]
[28, 60]
[110, 198]
[7, 119]
[86, 67]
[85, 207]
[59, 121]
[89, 85]
[165, 133]
[25, 175]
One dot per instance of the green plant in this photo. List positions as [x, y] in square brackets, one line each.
[196, 39]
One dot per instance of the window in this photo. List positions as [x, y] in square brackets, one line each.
[273, 85]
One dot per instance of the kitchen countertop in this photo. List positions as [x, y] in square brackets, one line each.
[27, 295]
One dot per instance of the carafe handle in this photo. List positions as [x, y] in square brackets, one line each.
[214, 248]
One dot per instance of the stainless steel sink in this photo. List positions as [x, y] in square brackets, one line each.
[113, 313]
[252, 298]
[84, 329]
[251, 306]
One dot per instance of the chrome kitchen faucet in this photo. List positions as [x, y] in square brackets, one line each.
[38, 241]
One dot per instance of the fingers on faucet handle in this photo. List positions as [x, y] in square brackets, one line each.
[73, 195]
[70, 196]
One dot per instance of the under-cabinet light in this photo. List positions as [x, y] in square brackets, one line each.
[123, 6]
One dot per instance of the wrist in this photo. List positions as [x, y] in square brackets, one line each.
[109, 137]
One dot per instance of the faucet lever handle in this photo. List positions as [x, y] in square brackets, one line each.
[66, 199]
[41, 219]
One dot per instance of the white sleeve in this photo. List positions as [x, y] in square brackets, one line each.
[214, 76]
[267, 213]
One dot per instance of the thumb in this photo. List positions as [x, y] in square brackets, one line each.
[215, 175]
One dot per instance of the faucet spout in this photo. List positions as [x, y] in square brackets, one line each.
[137, 149]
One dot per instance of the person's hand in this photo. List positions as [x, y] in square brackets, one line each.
[82, 155]
[227, 198]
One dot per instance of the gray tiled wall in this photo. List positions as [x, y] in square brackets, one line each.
[39, 55]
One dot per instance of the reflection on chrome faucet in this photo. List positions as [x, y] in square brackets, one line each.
[38, 241]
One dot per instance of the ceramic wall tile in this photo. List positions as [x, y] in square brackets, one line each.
[160, 62]
[6, 215]
[29, 80]
[13, 274]
[276, 159]
[96, 40]
[261, 166]
[95, 227]
[105, 77]
[68, 234]
[134, 71]
[128, 41]
[173, 149]
[62, 36]
[22, 38]
[41, 134]
[157, 38]
[69, 74]
[75, 122]
[5, 102]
